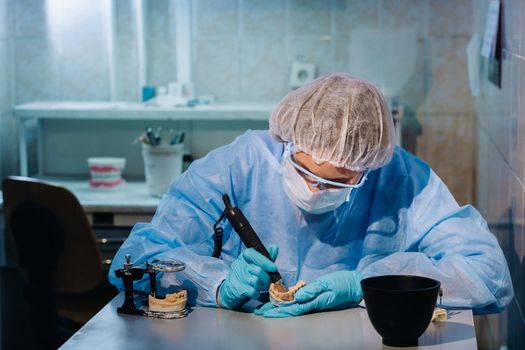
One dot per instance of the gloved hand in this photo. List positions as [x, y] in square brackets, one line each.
[248, 275]
[328, 291]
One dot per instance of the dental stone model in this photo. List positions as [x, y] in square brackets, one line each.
[171, 303]
[281, 296]
[439, 315]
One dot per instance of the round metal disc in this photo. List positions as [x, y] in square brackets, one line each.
[167, 266]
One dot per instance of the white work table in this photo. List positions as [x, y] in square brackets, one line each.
[133, 110]
[211, 328]
[128, 203]
[130, 196]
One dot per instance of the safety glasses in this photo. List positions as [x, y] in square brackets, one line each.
[319, 182]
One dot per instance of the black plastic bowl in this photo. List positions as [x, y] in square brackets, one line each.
[400, 307]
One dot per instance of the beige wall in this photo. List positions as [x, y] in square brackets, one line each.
[447, 112]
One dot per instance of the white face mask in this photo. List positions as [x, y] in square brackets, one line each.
[318, 202]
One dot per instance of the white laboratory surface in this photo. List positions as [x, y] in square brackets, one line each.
[129, 203]
[212, 328]
[134, 110]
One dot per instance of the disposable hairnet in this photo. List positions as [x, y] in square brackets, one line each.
[338, 119]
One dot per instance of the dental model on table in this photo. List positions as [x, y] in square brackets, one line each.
[169, 306]
[171, 303]
[280, 295]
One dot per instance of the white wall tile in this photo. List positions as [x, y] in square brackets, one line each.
[309, 17]
[161, 43]
[5, 80]
[125, 18]
[84, 67]
[4, 19]
[216, 68]
[37, 71]
[400, 52]
[84, 55]
[83, 20]
[366, 54]
[404, 14]
[216, 17]
[450, 17]
[160, 19]
[341, 53]
[30, 18]
[161, 61]
[264, 69]
[126, 54]
[355, 14]
[127, 69]
[262, 17]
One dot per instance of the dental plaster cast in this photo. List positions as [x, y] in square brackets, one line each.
[171, 303]
[282, 295]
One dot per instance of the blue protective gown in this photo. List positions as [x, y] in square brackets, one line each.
[402, 221]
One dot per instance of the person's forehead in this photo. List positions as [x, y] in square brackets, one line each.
[324, 170]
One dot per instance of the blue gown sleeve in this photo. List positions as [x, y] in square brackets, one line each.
[182, 229]
[451, 244]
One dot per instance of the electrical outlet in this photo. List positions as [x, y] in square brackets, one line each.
[301, 73]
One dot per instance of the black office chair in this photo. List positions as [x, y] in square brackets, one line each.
[51, 241]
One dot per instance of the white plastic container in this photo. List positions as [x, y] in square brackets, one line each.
[106, 172]
[162, 164]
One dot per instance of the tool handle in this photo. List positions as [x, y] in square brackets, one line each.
[247, 234]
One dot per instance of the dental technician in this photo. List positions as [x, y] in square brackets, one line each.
[334, 200]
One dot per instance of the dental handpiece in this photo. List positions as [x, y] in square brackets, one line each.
[247, 234]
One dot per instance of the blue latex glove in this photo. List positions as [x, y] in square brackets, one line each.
[248, 275]
[326, 292]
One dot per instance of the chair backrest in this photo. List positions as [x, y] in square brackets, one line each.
[46, 225]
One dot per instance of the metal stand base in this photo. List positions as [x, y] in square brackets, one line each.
[166, 315]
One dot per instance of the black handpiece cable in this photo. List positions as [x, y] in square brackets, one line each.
[217, 240]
